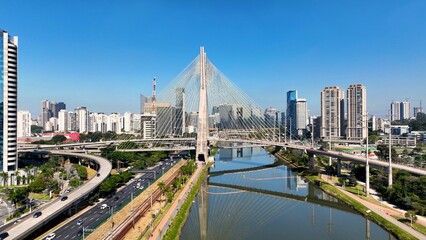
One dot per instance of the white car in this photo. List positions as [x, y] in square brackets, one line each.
[51, 236]
[103, 206]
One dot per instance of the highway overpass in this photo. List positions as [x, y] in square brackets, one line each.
[28, 225]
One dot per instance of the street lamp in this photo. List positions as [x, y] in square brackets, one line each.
[390, 155]
[367, 166]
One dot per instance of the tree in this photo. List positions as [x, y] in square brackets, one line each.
[36, 129]
[410, 215]
[384, 152]
[5, 177]
[58, 139]
[162, 187]
[82, 172]
[18, 195]
[18, 178]
[38, 185]
[75, 182]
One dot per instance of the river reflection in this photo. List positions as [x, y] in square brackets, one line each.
[269, 203]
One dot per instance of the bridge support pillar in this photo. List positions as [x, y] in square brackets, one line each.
[203, 126]
[339, 167]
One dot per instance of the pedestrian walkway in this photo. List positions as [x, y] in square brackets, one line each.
[383, 211]
[161, 229]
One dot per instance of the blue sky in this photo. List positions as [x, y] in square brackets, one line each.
[103, 54]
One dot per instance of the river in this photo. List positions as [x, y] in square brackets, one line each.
[269, 203]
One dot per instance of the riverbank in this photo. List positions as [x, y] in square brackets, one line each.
[174, 230]
[398, 229]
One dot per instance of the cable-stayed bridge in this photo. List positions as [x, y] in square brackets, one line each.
[202, 106]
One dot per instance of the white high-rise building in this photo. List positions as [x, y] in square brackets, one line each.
[301, 116]
[99, 122]
[82, 119]
[114, 123]
[63, 121]
[357, 112]
[54, 124]
[148, 121]
[128, 122]
[24, 124]
[9, 99]
[332, 113]
[136, 122]
[395, 108]
[404, 111]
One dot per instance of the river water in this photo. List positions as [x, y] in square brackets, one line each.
[270, 202]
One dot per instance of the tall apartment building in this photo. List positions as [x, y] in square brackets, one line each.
[9, 101]
[357, 112]
[395, 109]
[179, 126]
[114, 123]
[82, 119]
[63, 121]
[301, 116]
[332, 113]
[404, 110]
[24, 124]
[50, 109]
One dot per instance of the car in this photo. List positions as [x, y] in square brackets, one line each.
[79, 222]
[37, 214]
[4, 235]
[103, 206]
[116, 198]
[98, 175]
[51, 236]
[64, 198]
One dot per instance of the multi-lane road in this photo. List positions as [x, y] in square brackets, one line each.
[94, 216]
[56, 207]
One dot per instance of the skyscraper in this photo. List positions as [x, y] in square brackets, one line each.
[395, 109]
[9, 101]
[291, 111]
[63, 120]
[332, 113]
[301, 116]
[404, 110]
[357, 112]
[179, 126]
[82, 119]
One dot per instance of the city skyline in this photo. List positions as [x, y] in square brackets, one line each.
[104, 61]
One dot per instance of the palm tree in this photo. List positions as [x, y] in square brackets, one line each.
[4, 176]
[162, 187]
[30, 178]
[18, 177]
[24, 179]
[27, 171]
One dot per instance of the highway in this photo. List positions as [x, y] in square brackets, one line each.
[30, 224]
[95, 215]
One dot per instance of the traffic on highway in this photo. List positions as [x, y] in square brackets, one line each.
[104, 209]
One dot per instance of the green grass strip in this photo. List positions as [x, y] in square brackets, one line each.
[392, 228]
[173, 232]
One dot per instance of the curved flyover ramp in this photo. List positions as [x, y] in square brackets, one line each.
[29, 225]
